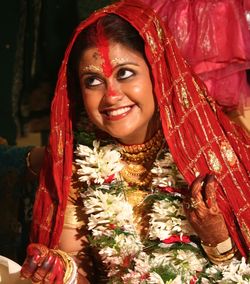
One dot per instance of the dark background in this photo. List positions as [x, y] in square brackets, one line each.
[33, 36]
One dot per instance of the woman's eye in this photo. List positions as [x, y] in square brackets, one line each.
[92, 82]
[124, 74]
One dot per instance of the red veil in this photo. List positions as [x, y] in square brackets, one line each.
[201, 139]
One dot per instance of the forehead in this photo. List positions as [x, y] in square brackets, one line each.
[117, 53]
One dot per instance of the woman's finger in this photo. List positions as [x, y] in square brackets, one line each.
[44, 269]
[196, 202]
[53, 275]
[196, 188]
[60, 275]
[210, 192]
[30, 265]
[35, 256]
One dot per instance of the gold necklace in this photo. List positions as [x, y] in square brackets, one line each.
[136, 156]
[141, 153]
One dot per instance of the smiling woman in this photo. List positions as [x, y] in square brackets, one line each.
[122, 103]
[154, 199]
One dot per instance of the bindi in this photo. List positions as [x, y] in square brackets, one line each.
[95, 55]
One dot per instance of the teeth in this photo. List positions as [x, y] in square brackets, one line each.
[118, 111]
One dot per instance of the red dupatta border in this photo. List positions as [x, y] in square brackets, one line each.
[201, 138]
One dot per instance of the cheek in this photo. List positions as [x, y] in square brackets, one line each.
[91, 103]
[136, 90]
[142, 92]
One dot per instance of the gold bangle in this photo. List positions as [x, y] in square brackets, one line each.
[224, 257]
[70, 267]
[224, 251]
[220, 248]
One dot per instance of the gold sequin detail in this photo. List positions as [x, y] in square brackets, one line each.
[184, 96]
[60, 144]
[214, 162]
[203, 95]
[151, 43]
[118, 60]
[167, 112]
[92, 68]
[159, 29]
[245, 231]
[228, 153]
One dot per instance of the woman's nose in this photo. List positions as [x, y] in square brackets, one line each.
[113, 91]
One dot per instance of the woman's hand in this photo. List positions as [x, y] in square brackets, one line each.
[43, 265]
[203, 213]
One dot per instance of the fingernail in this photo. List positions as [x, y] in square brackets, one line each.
[36, 257]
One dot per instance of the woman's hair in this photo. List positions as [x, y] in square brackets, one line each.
[115, 29]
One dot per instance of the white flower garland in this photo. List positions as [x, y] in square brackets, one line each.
[168, 256]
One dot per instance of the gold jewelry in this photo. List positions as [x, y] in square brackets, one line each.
[70, 275]
[136, 156]
[141, 153]
[221, 252]
[217, 259]
[136, 174]
[193, 204]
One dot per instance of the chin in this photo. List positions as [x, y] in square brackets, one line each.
[121, 137]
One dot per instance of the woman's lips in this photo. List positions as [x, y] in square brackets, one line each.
[117, 114]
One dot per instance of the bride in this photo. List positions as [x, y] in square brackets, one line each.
[145, 180]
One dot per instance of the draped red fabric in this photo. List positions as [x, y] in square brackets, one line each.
[200, 137]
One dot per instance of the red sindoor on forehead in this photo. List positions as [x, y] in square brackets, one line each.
[103, 47]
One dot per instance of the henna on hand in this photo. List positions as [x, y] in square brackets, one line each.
[203, 212]
[42, 265]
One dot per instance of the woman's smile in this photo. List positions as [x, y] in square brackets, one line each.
[116, 114]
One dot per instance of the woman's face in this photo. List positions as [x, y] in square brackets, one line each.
[117, 92]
